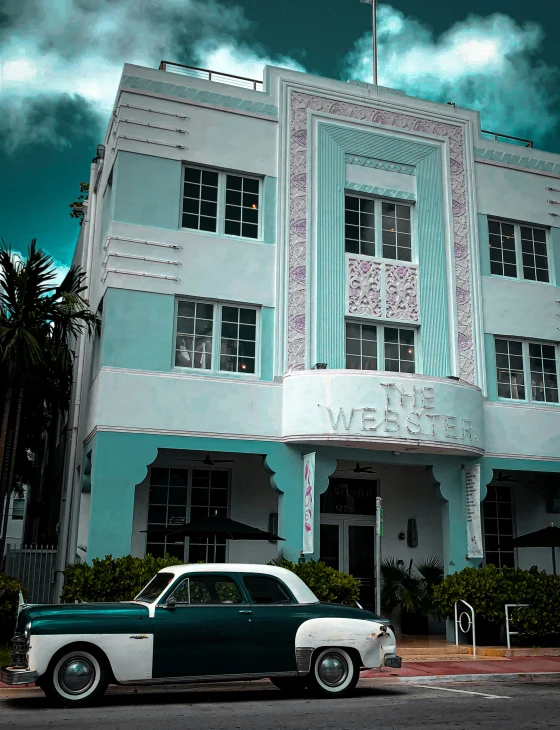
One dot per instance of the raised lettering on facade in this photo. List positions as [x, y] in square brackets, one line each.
[409, 413]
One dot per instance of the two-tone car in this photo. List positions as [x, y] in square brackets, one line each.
[200, 623]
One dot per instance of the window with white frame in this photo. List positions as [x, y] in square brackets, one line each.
[220, 202]
[216, 337]
[376, 227]
[527, 370]
[178, 496]
[518, 251]
[379, 347]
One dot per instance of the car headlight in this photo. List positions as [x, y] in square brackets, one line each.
[27, 630]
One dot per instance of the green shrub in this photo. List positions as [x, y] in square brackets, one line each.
[9, 598]
[488, 590]
[326, 583]
[111, 579]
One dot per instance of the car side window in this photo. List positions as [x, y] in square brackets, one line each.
[210, 590]
[264, 590]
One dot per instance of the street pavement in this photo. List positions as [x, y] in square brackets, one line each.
[392, 704]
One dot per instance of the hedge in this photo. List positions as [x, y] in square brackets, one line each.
[489, 589]
[111, 579]
[326, 583]
[9, 598]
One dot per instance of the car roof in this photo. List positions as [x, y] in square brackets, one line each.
[301, 592]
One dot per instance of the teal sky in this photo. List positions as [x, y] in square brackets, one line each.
[60, 61]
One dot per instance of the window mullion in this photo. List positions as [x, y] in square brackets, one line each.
[381, 347]
[220, 227]
[518, 252]
[527, 371]
[378, 229]
[217, 338]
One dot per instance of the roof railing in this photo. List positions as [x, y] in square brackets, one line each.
[208, 75]
[508, 139]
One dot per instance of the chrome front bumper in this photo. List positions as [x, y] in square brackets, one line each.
[12, 676]
[393, 661]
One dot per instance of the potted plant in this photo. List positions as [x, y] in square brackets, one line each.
[411, 590]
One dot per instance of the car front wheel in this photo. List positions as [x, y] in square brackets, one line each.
[334, 673]
[75, 678]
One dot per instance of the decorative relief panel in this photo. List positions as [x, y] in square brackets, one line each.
[401, 292]
[300, 103]
[364, 287]
[380, 164]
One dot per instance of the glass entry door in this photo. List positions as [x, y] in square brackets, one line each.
[348, 544]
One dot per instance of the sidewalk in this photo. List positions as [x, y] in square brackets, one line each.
[470, 666]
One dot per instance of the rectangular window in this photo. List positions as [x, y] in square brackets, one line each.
[533, 251]
[359, 221]
[197, 344]
[527, 370]
[377, 228]
[544, 379]
[509, 365]
[397, 241]
[220, 202]
[370, 344]
[518, 251]
[497, 511]
[178, 496]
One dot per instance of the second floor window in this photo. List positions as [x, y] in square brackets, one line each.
[526, 370]
[377, 228]
[518, 251]
[377, 347]
[216, 337]
[221, 202]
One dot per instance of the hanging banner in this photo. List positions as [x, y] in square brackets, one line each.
[474, 524]
[308, 502]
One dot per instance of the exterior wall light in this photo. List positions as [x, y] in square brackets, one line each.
[320, 366]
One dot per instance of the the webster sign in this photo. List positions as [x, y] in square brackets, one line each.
[402, 412]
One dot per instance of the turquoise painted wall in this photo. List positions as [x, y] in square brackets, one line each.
[147, 190]
[270, 185]
[484, 244]
[137, 330]
[333, 143]
[267, 343]
[490, 358]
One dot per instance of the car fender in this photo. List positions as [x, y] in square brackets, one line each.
[130, 656]
[367, 637]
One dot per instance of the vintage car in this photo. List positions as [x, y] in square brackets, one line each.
[200, 623]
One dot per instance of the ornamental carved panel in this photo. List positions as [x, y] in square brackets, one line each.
[300, 105]
[401, 292]
[364, 287]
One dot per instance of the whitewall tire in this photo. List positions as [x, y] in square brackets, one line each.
[75, 678]
[334, 673]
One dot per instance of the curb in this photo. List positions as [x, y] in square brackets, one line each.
[478, 677]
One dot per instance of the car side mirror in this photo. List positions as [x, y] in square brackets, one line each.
[170, 604]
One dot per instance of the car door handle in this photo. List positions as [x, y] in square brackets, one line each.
[245, 611]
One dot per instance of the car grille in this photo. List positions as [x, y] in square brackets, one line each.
[20, 647]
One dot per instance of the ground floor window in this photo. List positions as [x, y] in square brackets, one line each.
[178, 496]
[498, 527]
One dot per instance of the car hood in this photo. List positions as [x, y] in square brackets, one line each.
[84, 617]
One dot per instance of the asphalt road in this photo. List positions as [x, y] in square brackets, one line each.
[516, 704]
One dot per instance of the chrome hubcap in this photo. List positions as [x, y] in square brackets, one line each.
[333, 670]
[76, 675]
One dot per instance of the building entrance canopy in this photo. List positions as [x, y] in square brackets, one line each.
[381, 410]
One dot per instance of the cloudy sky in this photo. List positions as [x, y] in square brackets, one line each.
[60, 62]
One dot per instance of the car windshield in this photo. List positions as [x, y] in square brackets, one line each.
[155, 587]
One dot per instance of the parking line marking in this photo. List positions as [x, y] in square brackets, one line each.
[461, 691]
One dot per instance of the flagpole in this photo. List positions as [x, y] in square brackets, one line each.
[373, 4]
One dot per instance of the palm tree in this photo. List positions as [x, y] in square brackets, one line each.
[37, 319]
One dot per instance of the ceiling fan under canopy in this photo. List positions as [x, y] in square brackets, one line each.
[360, 469]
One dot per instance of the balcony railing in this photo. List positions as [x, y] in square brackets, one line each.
[205, 73]
[507, 138]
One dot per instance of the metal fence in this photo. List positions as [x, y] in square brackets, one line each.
[35, 568]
